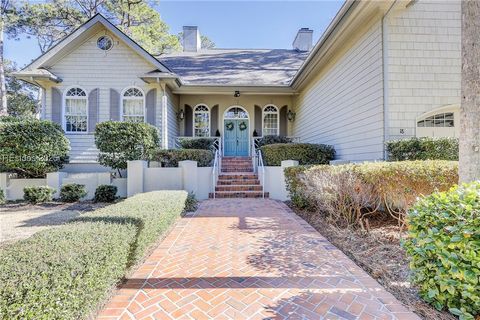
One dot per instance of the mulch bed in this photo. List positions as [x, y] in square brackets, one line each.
[379, 253]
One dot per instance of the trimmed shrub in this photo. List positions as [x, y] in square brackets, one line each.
[347, 193]
[2, 197]
[444, 244]
[119, 142]
[304, 153]
[171, 158]
[266, 140]
[71, 269]
[32, 148]
[196, 143]
[106, 193]
[192, 203]
[423, 149]
[72, 192]
[38, 194]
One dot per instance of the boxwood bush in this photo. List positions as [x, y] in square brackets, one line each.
[2, 196]
[423, 149]
[348, 192]
[68, 272]
[38, 194]
[72, 192]
[444, 245]
[304, 153]
[32, 148]
[265, 140]
[119, 142]
[171, 158]
[196, 143]
[106, 193]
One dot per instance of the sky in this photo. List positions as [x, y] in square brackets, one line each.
[229, 23]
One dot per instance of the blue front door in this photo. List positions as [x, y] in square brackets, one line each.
[236, 138]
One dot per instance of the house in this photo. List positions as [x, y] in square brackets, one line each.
[382, 70]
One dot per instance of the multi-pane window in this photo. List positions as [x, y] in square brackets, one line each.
[133, 105]
[236, 113]
[76, 110]
[270, 121]
[201, 124]
[438, 120]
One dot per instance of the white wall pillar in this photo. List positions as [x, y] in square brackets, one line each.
[135, 172]
[4, 183]
[54, 180]
[189, 175]
[286, 164]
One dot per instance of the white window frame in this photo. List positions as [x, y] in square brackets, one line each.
[64, 108]
[133, 98]
[269, 112]
[209, 119]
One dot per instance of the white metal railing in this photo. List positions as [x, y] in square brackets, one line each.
[215, 171]
[261, 170]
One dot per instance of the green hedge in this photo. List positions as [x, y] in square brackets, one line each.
[2, 196]
[119, 142]
[347, 192]
[38, 194]
[444, 245]
[196, 143]
[171, 158]
[32, 148]
[423, 149]
[266, 140]
[68, 272]
[106, 193]
[304, 153]
[72, 192]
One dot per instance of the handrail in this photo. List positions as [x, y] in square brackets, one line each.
[215, 171]
[261, 168]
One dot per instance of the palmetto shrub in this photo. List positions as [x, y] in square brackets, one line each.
[68, 272]
[423, 149]
[38, 194]
[444, 245]
[304, 153]
[349, 193]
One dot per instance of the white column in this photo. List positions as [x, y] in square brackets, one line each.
[135, 172]
[164, 117]
[54, 180]
[4, 183]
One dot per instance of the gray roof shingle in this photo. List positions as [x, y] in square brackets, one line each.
[242, 67]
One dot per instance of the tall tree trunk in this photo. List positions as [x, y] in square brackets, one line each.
[469, 164]
[3, 88]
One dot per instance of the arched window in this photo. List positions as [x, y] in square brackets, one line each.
[133, 105]
[438, 120]
[76, 110]
[201, 121]
[270, 121]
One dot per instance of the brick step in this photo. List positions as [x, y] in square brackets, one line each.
[237, 187]
[246, 165]
[236, 161]
[237, 158]
[238, 194]
[238, 176]
[249, 182]
[237, 169]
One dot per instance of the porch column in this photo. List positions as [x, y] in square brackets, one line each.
[164, 117]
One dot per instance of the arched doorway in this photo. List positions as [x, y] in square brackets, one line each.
[236, 128]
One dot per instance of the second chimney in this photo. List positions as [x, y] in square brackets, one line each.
[304, 39]
[191, 39]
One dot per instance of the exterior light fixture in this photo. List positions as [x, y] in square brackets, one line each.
[291, 115]
[181, 115]
[236, 94]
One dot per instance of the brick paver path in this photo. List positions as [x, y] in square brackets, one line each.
[250, 259]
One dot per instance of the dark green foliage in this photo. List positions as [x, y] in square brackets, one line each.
[191, 203]
[444, 245]
[304, 153]
[32, 147]
[296, 186]
[105, 193]
[196, 143]
[170, 158]
[423, 149]
[72, 192]
[119, 142]
[38, 194]
[2, 197]
[272, 140]
[68, 272]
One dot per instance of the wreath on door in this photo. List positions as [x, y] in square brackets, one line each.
[229, 126]
[242, 126]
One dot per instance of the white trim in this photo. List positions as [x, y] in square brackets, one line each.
[265, 113]
[64, 99]
[209, 119]
[133, 98]
[445, 109]
[223, 126]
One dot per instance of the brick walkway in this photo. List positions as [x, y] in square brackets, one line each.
[250, 259]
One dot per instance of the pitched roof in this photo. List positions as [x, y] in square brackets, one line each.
[252, 67]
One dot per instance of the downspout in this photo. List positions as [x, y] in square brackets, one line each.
[386, 110]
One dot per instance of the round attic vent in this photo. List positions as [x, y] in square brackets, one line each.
[105, 43]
